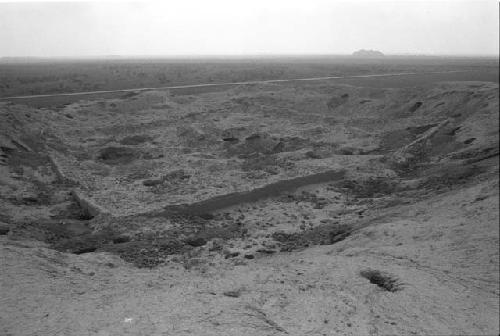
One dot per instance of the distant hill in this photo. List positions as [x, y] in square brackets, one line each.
[368, 53]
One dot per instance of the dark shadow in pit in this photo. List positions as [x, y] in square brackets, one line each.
[383, 280]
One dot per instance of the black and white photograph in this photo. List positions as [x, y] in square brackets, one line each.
[249, 168]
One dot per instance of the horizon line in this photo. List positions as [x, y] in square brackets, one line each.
[249, 55]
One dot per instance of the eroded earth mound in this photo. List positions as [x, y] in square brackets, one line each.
[268, 209]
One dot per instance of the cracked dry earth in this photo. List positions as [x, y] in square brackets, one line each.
[277, 209]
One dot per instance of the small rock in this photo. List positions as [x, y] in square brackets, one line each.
[230, 254]
[196, 241]
[233, 293]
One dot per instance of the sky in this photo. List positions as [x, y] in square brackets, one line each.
[251, 27]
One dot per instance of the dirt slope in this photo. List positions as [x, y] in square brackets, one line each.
[442, 253]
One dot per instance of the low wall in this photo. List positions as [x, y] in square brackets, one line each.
[89, 208]
[270, 190]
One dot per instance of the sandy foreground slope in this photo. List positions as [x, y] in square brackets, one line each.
[401, 238]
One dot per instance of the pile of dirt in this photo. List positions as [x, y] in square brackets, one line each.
[264, 143]
[337, 101]
[305, 196]
[147, 253]
[368, 188]
[141, 251]
[327, 234]
[117, 155]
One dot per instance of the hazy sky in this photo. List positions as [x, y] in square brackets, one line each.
[220, 27]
